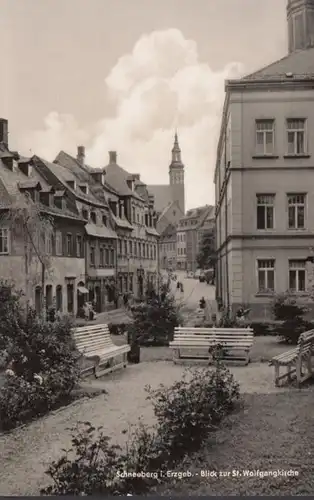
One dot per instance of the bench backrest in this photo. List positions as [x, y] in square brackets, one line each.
[93, 338]
[223, 334]
[306, 339]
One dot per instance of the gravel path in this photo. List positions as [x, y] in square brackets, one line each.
[25, 452]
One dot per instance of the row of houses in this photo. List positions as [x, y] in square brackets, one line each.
[104, 239]
[180, 243]
[264, 177]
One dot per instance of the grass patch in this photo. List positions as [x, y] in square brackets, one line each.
[270, 432]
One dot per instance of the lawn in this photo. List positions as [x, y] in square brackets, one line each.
[271, 432]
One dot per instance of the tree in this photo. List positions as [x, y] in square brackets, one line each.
[33, 228]
[207, 254]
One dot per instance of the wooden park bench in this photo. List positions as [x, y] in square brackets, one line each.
[195, 343]
[295, 359]
[95, 344]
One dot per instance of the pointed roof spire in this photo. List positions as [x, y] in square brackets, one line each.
[176, 146]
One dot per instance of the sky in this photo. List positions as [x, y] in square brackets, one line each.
[123, 74]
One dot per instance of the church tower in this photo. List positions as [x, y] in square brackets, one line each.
[300, 17]
[176, 175]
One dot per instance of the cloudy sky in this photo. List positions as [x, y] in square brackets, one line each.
[122, 74]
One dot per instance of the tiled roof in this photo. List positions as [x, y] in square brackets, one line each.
[5, 199]
[152, 231]
[82, 172]
[173, 205]
[31, 184]
[162, 196]
[117, 177]
[100, 231]
[300, 64]
[12, 178]
[199, 213]
[123, 223]
[169, 232]
[9, 189]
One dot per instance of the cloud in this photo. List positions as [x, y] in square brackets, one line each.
[160, 85]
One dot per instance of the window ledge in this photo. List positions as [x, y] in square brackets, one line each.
[297, 156]
[298, 229]
[265, 294]
[299, 295]
[265, 157]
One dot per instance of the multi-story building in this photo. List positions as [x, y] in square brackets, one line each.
[135, 218]
[168, 248]
[189, 234]
[56, 259]
[181, 246]
[90, 197]
[264, 194]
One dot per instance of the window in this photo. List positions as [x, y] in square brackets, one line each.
[69, 244]
[265, 137]
[296, 136]
[112, 257]
[48, 244]
[138, 218]
[104, 220]
[79, 245]
[4, 241]
[58, 243]
[120, 247]
[101, 257]
[266, 275]
[155, 252]
[92, 256]
[85, 214]
[297, 275]
[125, 247]
[130, 247]
[265, 211]
[93, 217]
[296, 211]
[135, 249]
[107, 261]
[133, 214]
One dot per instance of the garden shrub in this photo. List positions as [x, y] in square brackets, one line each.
[156, 317]
[186, 413]
[191, 408]
[42, 367]
[291, 313]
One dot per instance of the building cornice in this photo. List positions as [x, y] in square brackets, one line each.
[271, 83]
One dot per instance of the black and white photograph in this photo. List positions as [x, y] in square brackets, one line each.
[156, 248]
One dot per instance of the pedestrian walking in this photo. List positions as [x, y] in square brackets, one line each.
[178, 285]
[181, 288]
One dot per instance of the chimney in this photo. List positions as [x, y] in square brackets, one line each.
[4, 132]
[81, 155]
[112, 157]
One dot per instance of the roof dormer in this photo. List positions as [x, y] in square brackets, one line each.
[72, 184]
[84, 188]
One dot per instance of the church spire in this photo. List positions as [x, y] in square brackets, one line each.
[176, 151]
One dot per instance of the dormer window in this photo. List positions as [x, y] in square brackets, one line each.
[93, 217]
[104, 220]
[71, 184]
[85, 214]
[84, 188]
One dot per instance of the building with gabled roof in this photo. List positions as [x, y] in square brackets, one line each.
[263, 175]
[131, 212]
[64, 258]
[190, 231]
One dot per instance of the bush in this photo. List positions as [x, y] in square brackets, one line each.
[263, 328]
[186, 413]
[117, 328]
[156, 318]
[291, 313]
[43, 366]
[190, 409]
